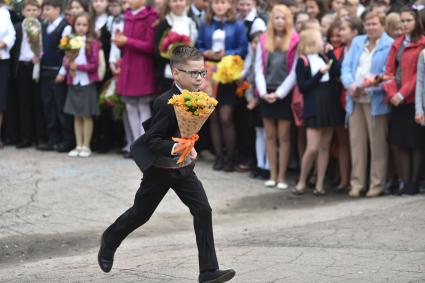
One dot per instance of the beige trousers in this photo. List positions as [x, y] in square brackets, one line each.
[365, 132]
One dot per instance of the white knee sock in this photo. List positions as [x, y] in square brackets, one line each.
[260, 148]
[127, 129]
[145, 113]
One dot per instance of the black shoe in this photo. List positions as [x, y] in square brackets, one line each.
[8, 141]
[45, 147]
[218, 163]
[391, 187]
[216, 276]
[410, 188]
[401, 187]
[319, 193]
[1, 144]
[64, 148]
[255, 173]
[229, 167]
[264, 175]
[105, 257]
[24, 144]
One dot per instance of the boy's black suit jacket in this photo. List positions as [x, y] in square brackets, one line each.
[159, 130]
[15, 52]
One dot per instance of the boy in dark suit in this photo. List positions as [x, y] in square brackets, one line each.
[30, 107]
[60, 130]
[154, 154]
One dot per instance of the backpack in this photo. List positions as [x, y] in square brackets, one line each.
[297, 103]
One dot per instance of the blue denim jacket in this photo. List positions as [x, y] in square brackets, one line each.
[379, 60]
[236, 42]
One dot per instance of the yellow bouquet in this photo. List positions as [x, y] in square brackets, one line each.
[229, 69]
[71, 44]
[192, 111]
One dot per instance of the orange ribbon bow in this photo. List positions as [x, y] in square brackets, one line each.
[185, 147]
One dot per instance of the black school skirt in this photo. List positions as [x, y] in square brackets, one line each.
[279, 110]
[404, 131]
[4, 77]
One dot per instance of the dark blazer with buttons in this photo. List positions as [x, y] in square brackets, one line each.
[15, 52]
[307, 83]
[159, 130]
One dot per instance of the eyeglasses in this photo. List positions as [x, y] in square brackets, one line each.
[195, 74]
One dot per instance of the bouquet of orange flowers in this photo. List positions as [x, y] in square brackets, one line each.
[192, 110]
[71, 44]
[229, 69]
[375, 80]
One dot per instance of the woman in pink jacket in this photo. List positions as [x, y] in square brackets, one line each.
[136, 83]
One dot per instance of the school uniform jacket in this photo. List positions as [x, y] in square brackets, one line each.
[15, 52]
[307, 83]
[159, 130]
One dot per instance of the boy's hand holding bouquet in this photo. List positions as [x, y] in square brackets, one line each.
[192, 110]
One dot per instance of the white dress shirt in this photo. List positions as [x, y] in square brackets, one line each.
[363, 69]
[115, 53]
[26, 53]
[101, 21]
[52, 26]
[258, 24]
[7, 33]
[316, 62]
[218, 40]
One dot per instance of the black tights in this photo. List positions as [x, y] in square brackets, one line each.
[222, 128]
[407, 162]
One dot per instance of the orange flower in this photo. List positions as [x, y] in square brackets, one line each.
[241, 89]
[64, 41]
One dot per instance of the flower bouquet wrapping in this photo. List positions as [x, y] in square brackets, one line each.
[171, 40]
[192, 110]
[32, 27]
[71, 44]
[242, 87]
[109, 98]
[375, 80]
[229, 69]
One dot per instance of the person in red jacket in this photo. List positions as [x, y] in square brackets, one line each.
[405, 135]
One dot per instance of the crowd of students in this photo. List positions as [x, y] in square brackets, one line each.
[338, 80]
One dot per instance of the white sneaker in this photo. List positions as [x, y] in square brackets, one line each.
[85, 152]
[282, 186]
[270, 183]
[75, 152]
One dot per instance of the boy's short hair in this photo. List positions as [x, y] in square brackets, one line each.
[183, 53]
[53, 3]
[34, 3]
